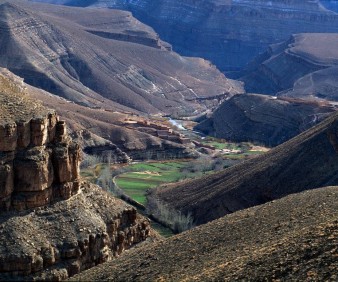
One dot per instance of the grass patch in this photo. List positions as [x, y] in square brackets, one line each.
[147, 176]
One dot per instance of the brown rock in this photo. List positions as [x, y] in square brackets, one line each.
[8, 137]
[24, 134]
[34, 170]
[39, 131]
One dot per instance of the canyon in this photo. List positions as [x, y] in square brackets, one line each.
[80, 81]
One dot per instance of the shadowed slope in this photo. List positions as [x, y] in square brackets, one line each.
[307, 161]
[263, 119]
[305, 66]
[294, 238]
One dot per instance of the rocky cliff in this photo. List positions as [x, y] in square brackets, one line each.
[39, 162]
[52, 225]
[263, 119]
[229, 33]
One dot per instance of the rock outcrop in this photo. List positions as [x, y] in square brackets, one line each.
[263, 119]
[228, 33]
[39, 162]
[52, 224]
[57, 241]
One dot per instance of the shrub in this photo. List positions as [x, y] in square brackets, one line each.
[175, 220]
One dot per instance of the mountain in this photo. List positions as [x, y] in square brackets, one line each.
[308, 161]
[264, 119]
[305, 66]
[52, 224]
[228, 33]
[291, 239]
[103, 58]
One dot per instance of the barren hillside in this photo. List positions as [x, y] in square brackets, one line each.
[294, 238]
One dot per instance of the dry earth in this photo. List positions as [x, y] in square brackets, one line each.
[291, 239]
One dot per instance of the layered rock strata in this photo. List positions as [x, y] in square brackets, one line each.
[52, 225]
[305, 66]
[39, 162]
[55, 242]
[263, 119]
[228, 33]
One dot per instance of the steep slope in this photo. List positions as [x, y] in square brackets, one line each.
[307, 161]
[52, 224]
[292, 239]
[305, 66]
[263, 119]
[229, 33]
[103, 58]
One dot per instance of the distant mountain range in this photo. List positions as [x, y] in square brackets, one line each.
[103, 58]
[229, 33]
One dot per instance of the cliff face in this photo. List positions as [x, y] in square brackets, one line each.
[229, 33]
[38, 161]
[52, 225]
[58, 241]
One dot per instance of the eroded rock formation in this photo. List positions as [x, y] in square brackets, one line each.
[39, 162]
[264, 119]
[52, 225]
[58, 241]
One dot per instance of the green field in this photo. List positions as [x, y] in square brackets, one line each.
[148, 175]
[221, 144]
